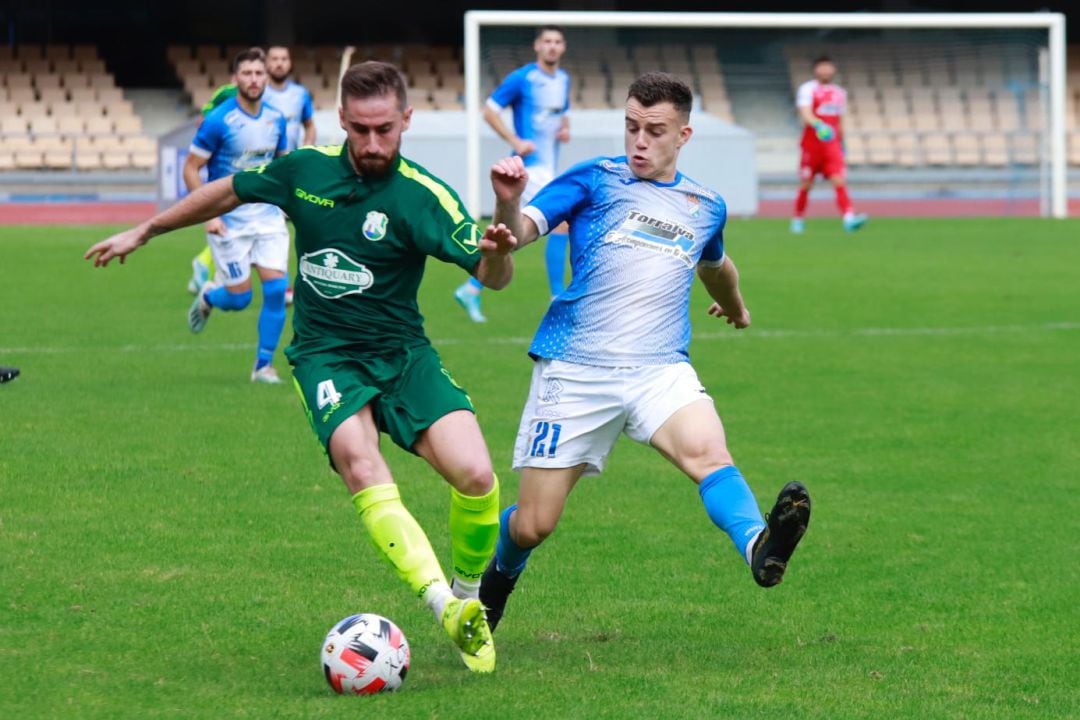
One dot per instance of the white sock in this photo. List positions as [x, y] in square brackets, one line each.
[849, 215]
[465, 589]
[750, 547]
[436, 596]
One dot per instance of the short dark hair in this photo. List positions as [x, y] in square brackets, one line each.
[550, 28]
[252, 53]
[373, 78]
[821, 59]
[654, 88]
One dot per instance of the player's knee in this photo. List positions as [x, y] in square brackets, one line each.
[700, 459]
[532, 529]
[475, 479]
[359, 471]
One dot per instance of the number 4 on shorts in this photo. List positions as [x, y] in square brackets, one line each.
[326, 394]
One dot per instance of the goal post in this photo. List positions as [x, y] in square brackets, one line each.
[1054, 62]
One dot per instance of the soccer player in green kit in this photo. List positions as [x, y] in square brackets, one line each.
[366, 221]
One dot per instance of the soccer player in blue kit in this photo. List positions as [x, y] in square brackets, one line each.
[611, 352]
[539, 94]
[241, 133]
[290, 97]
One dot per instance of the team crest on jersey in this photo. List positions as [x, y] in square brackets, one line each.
[375, 225]
[693, 205]
[333, 274]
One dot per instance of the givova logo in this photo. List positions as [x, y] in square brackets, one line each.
[654, 234]
[333, 274]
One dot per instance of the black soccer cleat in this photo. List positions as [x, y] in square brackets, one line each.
[495, 588]
[8, 373]
[785, 526]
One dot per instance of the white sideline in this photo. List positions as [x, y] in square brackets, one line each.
[523, 341]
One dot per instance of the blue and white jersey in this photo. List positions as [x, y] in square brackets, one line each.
[634, 247]
[295, 101]
[539, 100]
[233, 141]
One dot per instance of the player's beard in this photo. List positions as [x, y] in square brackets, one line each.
[278, 79]
[252, 94]
[374, 166]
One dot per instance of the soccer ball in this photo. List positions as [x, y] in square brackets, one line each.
[365, 654]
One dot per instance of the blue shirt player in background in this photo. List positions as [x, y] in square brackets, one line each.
[290, 97]
[539, 95]
[612, 351]
[294, 100]
[244, 132]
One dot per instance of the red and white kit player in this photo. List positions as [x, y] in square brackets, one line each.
[821, 105]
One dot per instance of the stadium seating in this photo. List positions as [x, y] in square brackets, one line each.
[56, 102]
[947, 107]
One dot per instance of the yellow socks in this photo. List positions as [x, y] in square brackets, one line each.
[398, 537]
[474, 529]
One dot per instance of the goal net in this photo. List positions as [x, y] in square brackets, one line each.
[947, 113]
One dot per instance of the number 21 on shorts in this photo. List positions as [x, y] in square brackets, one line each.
[542, 445]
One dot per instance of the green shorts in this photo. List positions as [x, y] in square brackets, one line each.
[408, 390]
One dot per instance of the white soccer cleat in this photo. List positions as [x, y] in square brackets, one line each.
[199, 311]
[200, 274]
[854, 222]
[266, 374]
[471, 302]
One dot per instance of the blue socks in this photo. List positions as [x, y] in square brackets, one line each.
[222, 299]
[731, 506]
[476, 284]
[555, 259]
[271, 319]
[510, 559]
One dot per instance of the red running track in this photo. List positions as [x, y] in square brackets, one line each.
[75, 213]
[129, 213]
[937, 207]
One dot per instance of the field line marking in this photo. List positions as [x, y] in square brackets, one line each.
[524, 340]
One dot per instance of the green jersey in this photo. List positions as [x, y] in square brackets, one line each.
[221, 94]
[361, 245]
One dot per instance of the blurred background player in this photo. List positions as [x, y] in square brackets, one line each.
[290, 97]
[539, 94]
[286, 95]
[821, 105]
[8, 373]
[244, 132]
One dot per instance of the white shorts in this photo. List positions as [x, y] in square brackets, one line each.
[575, 413]
[539, 176]
[241, 247]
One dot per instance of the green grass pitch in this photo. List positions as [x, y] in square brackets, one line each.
[172, 544]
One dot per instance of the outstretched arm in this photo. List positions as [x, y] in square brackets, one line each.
[209, 201]
[496, 267]
[509, 178]
[722, 283]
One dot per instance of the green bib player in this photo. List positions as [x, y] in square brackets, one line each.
[366, 221]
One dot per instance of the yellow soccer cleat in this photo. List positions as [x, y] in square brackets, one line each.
[466, 625]
[484, 660]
